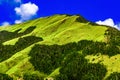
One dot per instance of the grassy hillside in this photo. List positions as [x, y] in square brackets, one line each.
[59, 47]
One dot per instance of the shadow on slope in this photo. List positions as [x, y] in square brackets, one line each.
[5, 77]
[5, 35]
[114, 76]
[6, 51]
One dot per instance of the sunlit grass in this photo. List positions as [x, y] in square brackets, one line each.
[59, 29]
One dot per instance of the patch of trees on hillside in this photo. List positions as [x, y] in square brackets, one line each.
[6, 51]
[114, 76]
[113, 36]
[32, 77]
[5, 77]
[46, 58]
[5, 35]
[76, 67]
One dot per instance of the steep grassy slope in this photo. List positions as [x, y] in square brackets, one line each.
[60, 47]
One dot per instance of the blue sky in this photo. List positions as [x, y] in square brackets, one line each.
[100, 11]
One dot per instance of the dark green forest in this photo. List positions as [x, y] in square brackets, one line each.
[5, 77]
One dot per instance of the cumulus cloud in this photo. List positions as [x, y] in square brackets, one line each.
[5, 24]
[26, 11]
[108, 22]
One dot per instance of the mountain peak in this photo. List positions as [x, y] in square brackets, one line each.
[60, 47]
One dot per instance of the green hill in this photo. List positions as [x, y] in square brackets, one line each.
[59, 47]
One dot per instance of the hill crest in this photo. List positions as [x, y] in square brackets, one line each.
[48, 47]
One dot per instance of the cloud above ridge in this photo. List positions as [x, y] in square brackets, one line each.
[26, 11]
[108, 22]
[5, 23]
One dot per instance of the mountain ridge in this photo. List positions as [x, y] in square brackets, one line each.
[48, 47]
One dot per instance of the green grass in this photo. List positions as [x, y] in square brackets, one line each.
[57, 29]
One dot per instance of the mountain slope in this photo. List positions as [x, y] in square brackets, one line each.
[59, 47]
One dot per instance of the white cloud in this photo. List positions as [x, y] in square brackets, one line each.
[26, 11]
[18, 21]
[5, 24]
[108, 22]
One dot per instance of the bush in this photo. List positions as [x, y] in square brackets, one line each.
[114, 76]
[5, 77]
